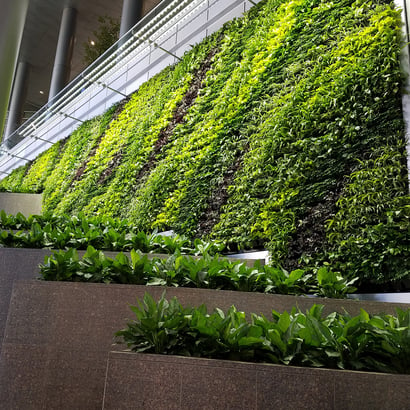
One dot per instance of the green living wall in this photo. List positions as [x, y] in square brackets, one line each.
[282, 130]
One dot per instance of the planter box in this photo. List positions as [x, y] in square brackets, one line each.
[146, 381]
[27, 204]
[16, 264]
[58, 336]
[23, 263]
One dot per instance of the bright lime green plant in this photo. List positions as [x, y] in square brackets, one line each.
[76, 150]
[284, 130]
[13, 182]
[41, 169]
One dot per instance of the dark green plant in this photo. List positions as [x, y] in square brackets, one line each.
[159, 324]
[333, 285]
[370, 234]
[65, 231]
[283, 131]
[63, 266]
[296, 281]
[379, 343]
[188, 271]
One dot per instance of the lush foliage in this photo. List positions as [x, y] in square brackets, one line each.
[77, 150]
[188, 271]
[322, 121]
[372, 222]
[378, 343]
[283, 130]
[37, 173]
[101, 232]
[14, 181]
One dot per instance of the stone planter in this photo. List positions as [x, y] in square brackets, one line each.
[27, 204]
[58, 336]
[146, 381]
[23, 264]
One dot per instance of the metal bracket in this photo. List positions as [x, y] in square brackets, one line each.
[163, 49]
[69, 116]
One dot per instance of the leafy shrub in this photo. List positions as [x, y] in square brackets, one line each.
[79, 232]
[378, 343]
[209, 272]
[283, 131]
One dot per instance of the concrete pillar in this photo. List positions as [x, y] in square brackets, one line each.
[131, 14]
[17, 98]
[404, 5]
[12, 19]
[64, 52]
[406, 11]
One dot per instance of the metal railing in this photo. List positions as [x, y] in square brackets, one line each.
[33, 137]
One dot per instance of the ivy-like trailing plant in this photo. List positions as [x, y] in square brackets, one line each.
[372, 224]
[13, 182]
[379, 343]
[209, 272]
[316, 127]
[41, 168]
[77, 150]
[283, 131]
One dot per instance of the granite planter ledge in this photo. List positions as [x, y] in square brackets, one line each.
[23, 264]
[58, 336]
[27, 204]
[147, 381]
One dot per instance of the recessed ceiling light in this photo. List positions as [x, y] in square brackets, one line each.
[41, 92]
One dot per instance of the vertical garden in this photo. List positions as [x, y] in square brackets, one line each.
[284, 130]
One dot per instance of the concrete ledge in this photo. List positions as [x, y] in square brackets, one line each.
[147, 381]
[58, 336]
[27, 204]
[16, 264]
[23, 263]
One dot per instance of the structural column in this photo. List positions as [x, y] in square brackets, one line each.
[17, 98]
[131, 14]
[404, 5]
[13, 17]
[65, 44]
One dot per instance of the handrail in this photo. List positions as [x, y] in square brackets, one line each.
[144, 35]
